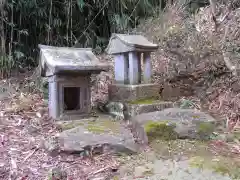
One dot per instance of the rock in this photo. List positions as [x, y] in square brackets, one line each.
[95, 137]
[144, 170]
[140, 107]
[51, 145]
[57, 174]
[116, 109]
[172, 123]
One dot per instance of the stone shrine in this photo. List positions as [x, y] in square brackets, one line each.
[131, 53]
[68, 71]
[132, 72]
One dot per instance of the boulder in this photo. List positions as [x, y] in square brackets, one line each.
[95, 137]
[172, 123]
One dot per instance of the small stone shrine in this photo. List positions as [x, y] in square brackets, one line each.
[133, 71]
[131, 53]
[68, 71]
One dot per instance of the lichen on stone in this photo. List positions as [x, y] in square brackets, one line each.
[144, 101]
[160, 130]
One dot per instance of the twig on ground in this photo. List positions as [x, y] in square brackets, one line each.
[100, 170]
[30, 154]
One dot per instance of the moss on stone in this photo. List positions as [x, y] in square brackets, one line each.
[95, 129]
[111, 125]
[70, 125]
[144, 101]
[236, 135]
[160, 130]
[102, 126]
[148, 172]
[205, 129]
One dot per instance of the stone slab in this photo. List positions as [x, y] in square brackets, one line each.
[55, 60]
[120, 43]
[96, 135]
[182, 123]
[125, 93]
[132, 110]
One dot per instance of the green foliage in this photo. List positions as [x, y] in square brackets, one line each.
[27, 23]
[186, 104]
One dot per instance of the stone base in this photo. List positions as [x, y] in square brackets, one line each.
[136, 109]
[126, 93]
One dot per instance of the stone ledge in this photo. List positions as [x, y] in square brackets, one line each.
[126, 93]
[136, 109]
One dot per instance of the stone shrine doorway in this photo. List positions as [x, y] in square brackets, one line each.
[71, 98]
[76, 99]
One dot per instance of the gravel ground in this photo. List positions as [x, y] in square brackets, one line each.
[172, 170]
[185, 160]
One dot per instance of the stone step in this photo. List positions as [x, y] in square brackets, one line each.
[133, 109]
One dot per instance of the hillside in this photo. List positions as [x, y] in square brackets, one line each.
[196, 56]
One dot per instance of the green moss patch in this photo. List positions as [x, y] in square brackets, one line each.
[101, 126]
[144, 101]
[160, 130]
[70, 125]
[205, 129]
[96, 129]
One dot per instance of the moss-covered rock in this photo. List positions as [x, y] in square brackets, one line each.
[181, 123]
[103, 125]
[144, 101]
[70, 125]
[96, 129]
[160, 130]
[205, 130]
[96, 136]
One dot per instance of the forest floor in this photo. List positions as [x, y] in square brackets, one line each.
[24, 123]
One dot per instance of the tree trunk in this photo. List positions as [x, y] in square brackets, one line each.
[2, 33]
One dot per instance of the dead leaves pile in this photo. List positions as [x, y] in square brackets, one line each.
[24, 124]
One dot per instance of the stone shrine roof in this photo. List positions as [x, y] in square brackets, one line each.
[120, 43]
[55, 60]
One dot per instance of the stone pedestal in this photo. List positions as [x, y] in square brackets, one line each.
[140, 108]
[126, 93]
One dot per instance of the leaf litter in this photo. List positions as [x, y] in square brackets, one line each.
[24, 123]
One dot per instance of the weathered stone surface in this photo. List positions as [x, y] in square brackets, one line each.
[120, 43]
[51, 144]
[125, 93]
[95, 137]
[140, 108]
[124, 111]
[116, 109]
[198, 164]
[57, 174]
[172, 123]
[55, 60]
